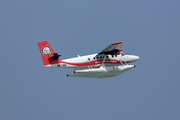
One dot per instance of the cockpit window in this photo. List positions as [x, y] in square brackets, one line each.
[122, 54]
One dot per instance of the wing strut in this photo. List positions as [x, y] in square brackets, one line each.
[104, 59]
[121, 63]
[90, 67]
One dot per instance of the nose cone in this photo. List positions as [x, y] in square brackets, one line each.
[136, 58]
[133, 58]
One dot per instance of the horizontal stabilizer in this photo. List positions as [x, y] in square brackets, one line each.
[55, 56]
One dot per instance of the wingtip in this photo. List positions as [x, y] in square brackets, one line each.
[116, 43]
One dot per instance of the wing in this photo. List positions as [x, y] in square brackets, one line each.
[111, 49]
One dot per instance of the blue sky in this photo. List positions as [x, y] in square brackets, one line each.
[149, 29]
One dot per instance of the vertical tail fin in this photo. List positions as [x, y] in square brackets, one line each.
[47, 53]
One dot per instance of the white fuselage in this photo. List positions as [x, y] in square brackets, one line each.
[93, 61]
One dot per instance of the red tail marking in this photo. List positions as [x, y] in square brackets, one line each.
[47, 52]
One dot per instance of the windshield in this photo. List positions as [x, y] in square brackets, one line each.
[122, 54]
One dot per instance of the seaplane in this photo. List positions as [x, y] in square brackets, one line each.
[110, 62]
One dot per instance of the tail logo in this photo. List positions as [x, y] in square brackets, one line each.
[46, 50]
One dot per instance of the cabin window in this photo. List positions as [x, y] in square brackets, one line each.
[97, 58]
[100, 57]
[94, 58]
[107, 56]
[88, 58]
[115, 55]
[112, 55]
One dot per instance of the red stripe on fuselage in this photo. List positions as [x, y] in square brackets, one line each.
[94, 62]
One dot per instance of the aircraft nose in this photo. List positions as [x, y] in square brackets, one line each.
[135, 58]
